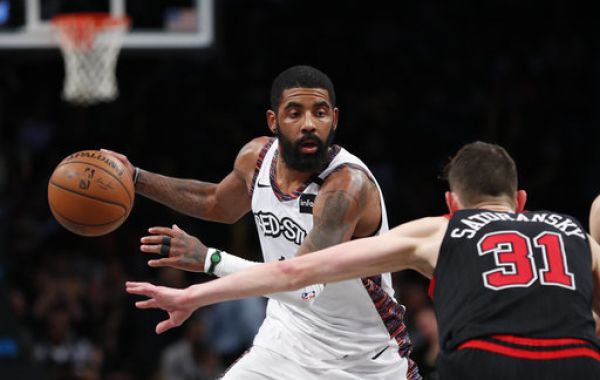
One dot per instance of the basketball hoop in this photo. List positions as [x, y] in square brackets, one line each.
[90, 44]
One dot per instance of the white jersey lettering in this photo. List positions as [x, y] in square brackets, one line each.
[476, 222]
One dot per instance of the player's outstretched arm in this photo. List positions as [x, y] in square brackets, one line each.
[413, 245]
[595, 219]
[225, 202]
[595, 248]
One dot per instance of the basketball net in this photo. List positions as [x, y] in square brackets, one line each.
[90, 45]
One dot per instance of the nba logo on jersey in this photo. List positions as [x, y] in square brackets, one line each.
[307, 296]
[307, 201]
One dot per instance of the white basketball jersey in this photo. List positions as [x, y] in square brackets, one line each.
[343, 324]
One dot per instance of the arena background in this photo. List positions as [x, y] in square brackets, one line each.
[414, 82]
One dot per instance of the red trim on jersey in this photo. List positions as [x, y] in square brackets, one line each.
[259, 161]
[431, 289]
[528, 354]
[392, 316]
[539, 342]
[448, 216]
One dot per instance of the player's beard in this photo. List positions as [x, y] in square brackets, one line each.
[294, 158]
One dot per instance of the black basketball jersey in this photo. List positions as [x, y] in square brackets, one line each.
[524, 274]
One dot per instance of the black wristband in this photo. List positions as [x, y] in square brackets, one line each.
[136, 174]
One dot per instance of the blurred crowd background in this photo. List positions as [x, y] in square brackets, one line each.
[414, 82]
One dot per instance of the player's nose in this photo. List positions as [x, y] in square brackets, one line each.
[309, 124]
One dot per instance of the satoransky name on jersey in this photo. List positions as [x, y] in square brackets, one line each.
[272, 226]
[476, 222]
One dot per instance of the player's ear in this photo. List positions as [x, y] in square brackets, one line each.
[272, 121]
[451, 202]
[336, 117]
[521, 200]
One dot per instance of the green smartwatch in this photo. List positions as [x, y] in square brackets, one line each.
[215, 258]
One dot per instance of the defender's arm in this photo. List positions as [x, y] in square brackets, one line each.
[394, 250]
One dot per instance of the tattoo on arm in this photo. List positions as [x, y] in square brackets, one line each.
[184, 195]
[335, 224]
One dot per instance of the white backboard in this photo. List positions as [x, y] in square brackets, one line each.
[181, 24]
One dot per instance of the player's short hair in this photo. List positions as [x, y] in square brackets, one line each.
[480, 170]
[300, 76]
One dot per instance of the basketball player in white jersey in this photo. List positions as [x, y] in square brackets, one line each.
[305, 194]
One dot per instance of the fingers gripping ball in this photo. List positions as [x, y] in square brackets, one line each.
[90, 193]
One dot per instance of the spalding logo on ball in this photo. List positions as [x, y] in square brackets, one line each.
[90, 193]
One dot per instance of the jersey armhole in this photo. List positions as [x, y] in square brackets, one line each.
[431, 289]
[371, 178]
[259, 162]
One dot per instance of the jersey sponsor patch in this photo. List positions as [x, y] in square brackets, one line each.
[307, 201]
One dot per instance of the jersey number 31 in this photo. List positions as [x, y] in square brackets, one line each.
[515, 266]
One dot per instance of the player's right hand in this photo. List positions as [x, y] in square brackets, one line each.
[183, 250]
[123, 158]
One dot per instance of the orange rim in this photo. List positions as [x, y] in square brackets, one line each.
[81, 28]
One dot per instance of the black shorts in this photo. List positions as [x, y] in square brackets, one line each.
[505, 357]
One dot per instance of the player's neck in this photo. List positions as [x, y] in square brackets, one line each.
[495, 206]
[289, 179]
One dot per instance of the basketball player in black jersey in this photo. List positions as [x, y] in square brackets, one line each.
[513, 290]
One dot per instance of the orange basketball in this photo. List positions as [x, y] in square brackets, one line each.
[90, 193]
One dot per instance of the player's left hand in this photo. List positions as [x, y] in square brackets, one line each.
[173, 301]
[183, 251]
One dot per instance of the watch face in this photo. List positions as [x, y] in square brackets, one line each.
[215, 257]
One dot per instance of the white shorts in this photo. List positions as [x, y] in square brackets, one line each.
[260, 363]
